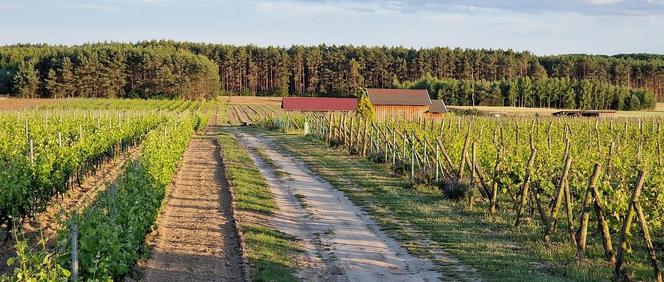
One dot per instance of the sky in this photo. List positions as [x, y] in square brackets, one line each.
[543, 27]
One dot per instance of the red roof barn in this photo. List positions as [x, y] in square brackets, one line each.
[316, 104]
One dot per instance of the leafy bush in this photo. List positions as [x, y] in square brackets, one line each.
[37, 265]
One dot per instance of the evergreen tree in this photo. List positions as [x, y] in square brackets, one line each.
[355, 79]
[67, 81]
[568, 100]
[26, 80]
[511, 93]
[52, 84]
[495, 94]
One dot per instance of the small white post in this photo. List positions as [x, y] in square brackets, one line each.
[32, 152]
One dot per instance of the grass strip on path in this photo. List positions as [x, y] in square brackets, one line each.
[271, 253]
[494, 247]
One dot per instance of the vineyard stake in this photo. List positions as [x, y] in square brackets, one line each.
[27, 130]
[412, 158]
[526, 184]
[494, 185]
[74, 252]
[32, 152]
[329, 129]
[472, 175]
[558, 199]
[426, 156]
[364, 140]
[646, 237]
[463, 157]
[603, 225]
[387, 143]
[444, 152]
[634, 207]
[352, 121]
[394, 147]
[585, 213]
[437, 161]
[659, 147]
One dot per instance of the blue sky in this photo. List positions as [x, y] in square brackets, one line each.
[541, 26]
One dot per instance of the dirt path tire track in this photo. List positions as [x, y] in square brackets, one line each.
[75, 199]
[197, 239]
[341, 242]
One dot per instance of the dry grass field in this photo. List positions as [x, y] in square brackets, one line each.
[14, 104]
[251, 100]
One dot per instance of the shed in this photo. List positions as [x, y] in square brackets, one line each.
[436, 110]
[410, 104]
[583, 113]
[317, 104]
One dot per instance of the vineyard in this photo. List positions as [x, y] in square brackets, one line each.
[47, 150]
[45, 153]
[580, 197]
[559, 175]
[401, 141]
[250, 114]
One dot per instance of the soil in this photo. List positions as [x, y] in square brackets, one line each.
[251, 100]
[340, 241]
[18, 103]
[75, 199]
[197, 239]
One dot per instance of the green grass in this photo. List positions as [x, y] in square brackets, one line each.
[499, 251]
[278, 170]
[271, 253]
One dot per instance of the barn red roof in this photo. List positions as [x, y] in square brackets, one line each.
[312, 104]
[399, 97]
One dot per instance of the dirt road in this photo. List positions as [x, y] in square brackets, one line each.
[196, 237]
[341, 242]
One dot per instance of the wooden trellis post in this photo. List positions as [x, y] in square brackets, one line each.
[471, 191]
[412, 158]
[364, 138]
[525, 187]
[394, 147]
[437, 162]
[560, 194]
[74, 252]
[635, 208]
[494, 185]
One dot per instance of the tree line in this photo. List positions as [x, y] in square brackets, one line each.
[588, 94]
[157, 68]
[106, 70]
[325, 70]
